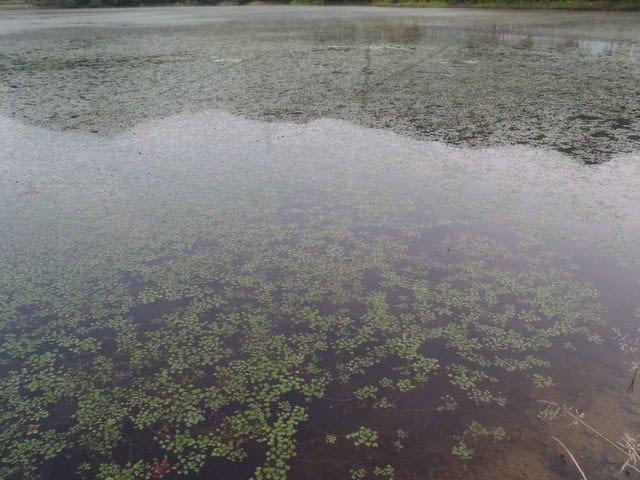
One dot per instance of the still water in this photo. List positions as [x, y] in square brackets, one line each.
[317, 243]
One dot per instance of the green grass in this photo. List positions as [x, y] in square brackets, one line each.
[625, 5]
[622, 5]
[412, 3]
[556, 4]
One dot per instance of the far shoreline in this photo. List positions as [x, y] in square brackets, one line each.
[552, 5]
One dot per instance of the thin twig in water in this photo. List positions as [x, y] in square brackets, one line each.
[572, 457]
[630, 444]
[578, 419]
[631, 386]
[626, 447]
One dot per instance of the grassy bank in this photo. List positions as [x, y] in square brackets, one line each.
[629, 5]
[611, 5]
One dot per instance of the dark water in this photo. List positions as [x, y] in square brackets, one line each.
[211, 296]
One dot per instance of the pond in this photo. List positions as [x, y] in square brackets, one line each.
[319, 243]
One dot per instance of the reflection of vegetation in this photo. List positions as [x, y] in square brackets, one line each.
[211, 336]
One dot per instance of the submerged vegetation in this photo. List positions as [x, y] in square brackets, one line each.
[203, 329]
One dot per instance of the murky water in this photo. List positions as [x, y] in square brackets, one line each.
[211, 266]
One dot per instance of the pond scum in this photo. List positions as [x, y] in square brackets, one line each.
[196, 319]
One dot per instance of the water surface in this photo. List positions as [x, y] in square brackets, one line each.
[567, 81]
[272, 287]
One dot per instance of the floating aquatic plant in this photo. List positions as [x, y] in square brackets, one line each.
[209, 333]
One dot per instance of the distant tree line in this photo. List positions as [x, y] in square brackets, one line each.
[127, 3]
[567, 4]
